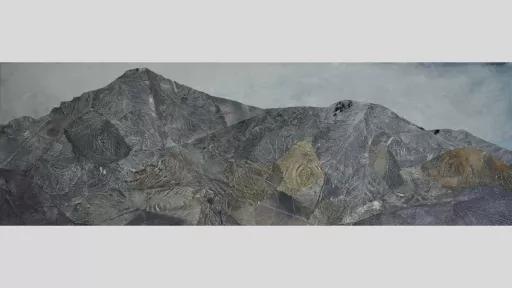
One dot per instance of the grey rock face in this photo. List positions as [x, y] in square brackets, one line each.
[145, 150]
[97, 139]
[482, 206]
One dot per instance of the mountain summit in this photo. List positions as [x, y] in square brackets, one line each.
[148, 150]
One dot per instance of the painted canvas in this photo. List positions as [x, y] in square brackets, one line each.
[255, 144]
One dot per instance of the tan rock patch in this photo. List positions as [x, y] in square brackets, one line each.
[466, 167]
[301, 174]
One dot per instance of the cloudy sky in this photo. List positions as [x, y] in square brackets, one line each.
[474, 97]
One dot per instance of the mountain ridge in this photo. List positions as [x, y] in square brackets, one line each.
[148, 150]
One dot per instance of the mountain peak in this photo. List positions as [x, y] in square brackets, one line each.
[139, 70]
[141, 73]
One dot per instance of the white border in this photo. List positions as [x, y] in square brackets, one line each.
[255, 257]
[256, 31]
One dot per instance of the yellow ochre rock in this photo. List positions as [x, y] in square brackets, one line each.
[301, 174]
[466, 167]
[249, 180]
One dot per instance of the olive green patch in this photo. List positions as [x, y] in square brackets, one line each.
[381, 162]
[249, 180]
[385, 166]
[176, 168]
[300, 168]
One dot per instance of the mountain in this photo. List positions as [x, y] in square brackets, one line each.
[146, 150]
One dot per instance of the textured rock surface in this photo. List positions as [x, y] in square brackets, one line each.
[145, 150]
[468, 167]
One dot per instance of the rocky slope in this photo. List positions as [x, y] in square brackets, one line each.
[148, 150]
